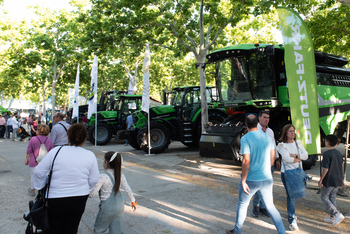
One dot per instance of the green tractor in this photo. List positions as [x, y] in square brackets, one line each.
[113, 118]
[179, 121]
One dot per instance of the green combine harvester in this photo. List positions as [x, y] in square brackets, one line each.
[252, 77]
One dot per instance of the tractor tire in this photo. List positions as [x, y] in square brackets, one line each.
[133, 142]
[160, 138]
[216, 117]
[104, 134]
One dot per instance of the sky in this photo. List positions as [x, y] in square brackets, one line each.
[18, 8]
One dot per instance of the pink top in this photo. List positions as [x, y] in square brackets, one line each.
[34, 145]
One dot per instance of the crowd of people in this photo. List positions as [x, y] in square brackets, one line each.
[66, 197]
[261, 156]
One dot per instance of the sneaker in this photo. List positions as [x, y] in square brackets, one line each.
[338, 219]
[231, 231]
[126, 144]
[329, 220]
[31, 192]
[255, 211]
[264, 212]
[293, 227]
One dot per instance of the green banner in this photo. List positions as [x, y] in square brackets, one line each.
[301, 79]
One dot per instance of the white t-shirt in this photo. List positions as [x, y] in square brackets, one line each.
[271, 134]
[75, 172]
[290, 148]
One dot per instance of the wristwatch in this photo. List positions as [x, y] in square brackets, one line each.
[296, 156]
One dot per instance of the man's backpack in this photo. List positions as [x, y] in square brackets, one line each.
[42, 151]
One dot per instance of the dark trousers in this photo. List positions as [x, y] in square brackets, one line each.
[9, 129]
[65, 214]
[2, 131]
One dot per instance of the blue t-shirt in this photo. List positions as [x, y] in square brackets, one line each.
[258, 144]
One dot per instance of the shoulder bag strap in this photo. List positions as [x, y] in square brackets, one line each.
[33, 149]
[298, 151]
[63, 126]
[50, 173]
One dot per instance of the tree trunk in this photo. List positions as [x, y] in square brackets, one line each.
[201, 69]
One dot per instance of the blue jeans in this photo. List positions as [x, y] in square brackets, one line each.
[265, 188]
[9, 129]
[256, 199]
[290, 203]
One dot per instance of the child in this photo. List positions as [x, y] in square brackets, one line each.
[111, 206]
[331, 178]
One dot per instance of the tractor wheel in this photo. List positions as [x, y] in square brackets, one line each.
[104, 134]
[133, 141]
[160, 138]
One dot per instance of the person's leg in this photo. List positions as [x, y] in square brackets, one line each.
[32, 169]
[290, 203]
[14, 132]
[76, 208]
[267, 198]
[328, 197]
[103, 218]
[243, 203]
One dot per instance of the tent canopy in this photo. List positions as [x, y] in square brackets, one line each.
[3, 110]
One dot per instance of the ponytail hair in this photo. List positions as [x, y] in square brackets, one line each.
[115, 164]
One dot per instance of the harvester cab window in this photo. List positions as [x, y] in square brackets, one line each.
[261, 76]
[234, 80]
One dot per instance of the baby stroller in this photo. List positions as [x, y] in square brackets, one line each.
[22, 133]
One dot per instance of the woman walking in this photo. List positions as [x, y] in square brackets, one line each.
[33, 151]
[292, 153]
[74, 173]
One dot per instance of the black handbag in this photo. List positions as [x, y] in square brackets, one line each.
[38, 215]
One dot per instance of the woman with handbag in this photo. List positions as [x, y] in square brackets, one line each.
[74, 174]
[292, 153]
[33, 151]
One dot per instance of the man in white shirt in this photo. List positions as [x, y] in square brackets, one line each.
[59, 130]
[14, 127]
[264, 118]
[129, 123]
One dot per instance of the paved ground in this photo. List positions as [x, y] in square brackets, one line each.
[177, 192]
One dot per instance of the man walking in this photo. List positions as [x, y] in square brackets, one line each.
[9, 127]
[264, 119]
[59, 130]
[258, 156]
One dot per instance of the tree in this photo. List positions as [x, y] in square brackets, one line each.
[183, 26]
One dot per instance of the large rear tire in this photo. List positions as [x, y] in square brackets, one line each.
[104, 134]
[160, 138]
[133, 141]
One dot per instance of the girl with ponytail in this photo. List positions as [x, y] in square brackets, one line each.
[111, 206]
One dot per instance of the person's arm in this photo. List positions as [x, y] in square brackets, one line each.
[94, 175]
[273, 156]
[128, 191]
[303, 153]
[40, 172]
[53, 135]
[245, 170]
[27, 159]
[324, 173]
[102, 180]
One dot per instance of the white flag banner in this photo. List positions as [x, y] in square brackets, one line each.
[93, 91]
[71, 98]
[145, 92]
[76, 95]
